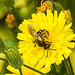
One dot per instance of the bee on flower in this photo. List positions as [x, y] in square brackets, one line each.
[45, 39]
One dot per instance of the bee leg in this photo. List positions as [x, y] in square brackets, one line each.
[43, 35]
[47, 33]
[53, 49]
[47, 54]
[50, 43]
[35, 43]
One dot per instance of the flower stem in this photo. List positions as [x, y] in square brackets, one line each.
[33, 69]
[20, 71]
[68, 66]
[54, 68]
[19, 19]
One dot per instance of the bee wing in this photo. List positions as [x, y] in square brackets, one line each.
[32, 30]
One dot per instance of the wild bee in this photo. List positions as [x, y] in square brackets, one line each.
[39, 37]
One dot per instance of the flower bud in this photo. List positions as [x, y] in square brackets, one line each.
[44, 6]
[67, 16]
[10, 20]
[13, 58]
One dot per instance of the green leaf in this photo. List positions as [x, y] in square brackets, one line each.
[58, 7]
[2, 46]
[10, 43]
[8, 3]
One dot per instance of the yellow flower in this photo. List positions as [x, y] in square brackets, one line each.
[25, 71]
[45, 39]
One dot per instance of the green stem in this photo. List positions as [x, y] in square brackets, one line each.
[54, 68]
[19, 19]
[33, 69]
[3, 59]
[20, 71]
[68, 66]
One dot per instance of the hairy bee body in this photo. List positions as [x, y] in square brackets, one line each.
[39, 37]
[43, 44]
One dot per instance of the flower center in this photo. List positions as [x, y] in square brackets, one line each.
[41, 41]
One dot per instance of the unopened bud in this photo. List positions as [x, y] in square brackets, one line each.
[10, 20]
[13, 58]
[67, 16]
[44, 6]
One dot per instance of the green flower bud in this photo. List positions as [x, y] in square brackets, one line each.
[2, 46]
[13, 58]
[58, 7]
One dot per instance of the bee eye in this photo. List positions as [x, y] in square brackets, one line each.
[38, 33]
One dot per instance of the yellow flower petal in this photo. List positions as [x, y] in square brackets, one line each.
[11, 74]
[13, 69]
[70, 44]
[49, 19]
